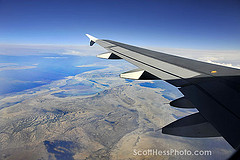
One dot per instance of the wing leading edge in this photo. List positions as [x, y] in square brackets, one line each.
[213, 89]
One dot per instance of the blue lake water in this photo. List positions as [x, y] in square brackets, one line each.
[170, 92]
[62, 150]
[45, 69]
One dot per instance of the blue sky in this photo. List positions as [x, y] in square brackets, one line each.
[198, 24]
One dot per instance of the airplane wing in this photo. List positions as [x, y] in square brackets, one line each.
[213, 89]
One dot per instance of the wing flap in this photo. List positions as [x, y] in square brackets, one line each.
[151, 69]
[182, 103]
[191, 126]
[161, 65]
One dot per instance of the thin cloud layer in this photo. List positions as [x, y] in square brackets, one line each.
[23, 50]
[16, 68]
[229, 58]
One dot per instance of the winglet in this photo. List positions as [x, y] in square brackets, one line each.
[92, 39]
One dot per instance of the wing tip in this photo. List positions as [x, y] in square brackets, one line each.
[91, 37]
